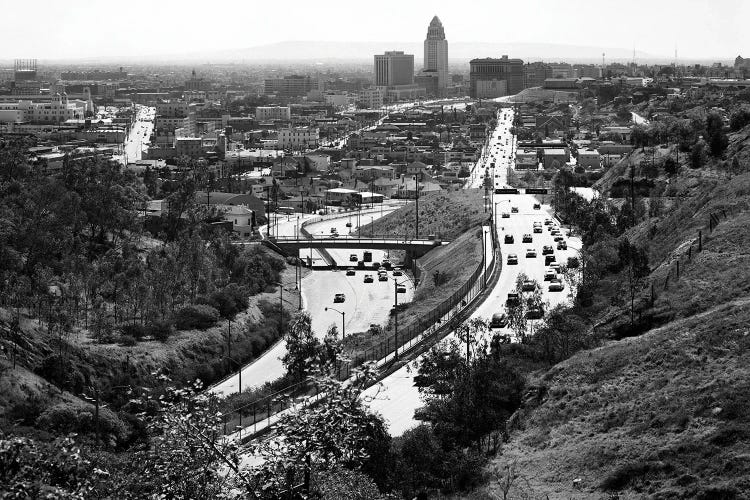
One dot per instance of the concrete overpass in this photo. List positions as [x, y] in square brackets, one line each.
[414, 247]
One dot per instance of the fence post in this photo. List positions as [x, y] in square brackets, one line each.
[666, 281]
[678, 268]
[690, 252]
[652, 294]
[700, 240]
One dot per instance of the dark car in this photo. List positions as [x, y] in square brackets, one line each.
[350, 272]
[509, 238]
[401, 289]
[549, 259]
[376, 265]
[353, 257]
[558, 238]
[339, 297]
[561, 245]
[527, 238]
[514, 210]
[499, 320]
[556, 286]
[505, 215]
[512, 300]
[361, 264]
[547, 249]
[528, 286]
[537, 206]
[512, 259]
[535, 313]
[537, 229]
[369, 278]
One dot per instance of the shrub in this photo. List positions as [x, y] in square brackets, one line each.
[128, 340]
[198, 316]
[573, 262]
[65, 418]
[229, 301]
[136, 331]
[161, 330]
[61, 372]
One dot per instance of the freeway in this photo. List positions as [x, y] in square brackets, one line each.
[364, 303]
[396, 398]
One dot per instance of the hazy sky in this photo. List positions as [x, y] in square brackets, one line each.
[84, 28]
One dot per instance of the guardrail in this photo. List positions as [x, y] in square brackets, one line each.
[256, 420]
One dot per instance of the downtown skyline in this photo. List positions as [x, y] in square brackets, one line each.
[92, 31]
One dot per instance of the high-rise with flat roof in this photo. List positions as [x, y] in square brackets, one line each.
[492, 77]
[436, 52]
[394, 68]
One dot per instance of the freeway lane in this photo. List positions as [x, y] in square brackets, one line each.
[396, 398]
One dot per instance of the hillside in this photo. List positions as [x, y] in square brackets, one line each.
[445, 214]
[664, 412]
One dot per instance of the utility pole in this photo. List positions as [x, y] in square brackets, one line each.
[417, 178]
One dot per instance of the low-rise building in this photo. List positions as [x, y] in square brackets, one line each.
[273, 113]
[298, 138]
[589, 158]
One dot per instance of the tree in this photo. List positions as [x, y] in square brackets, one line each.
[697, 154]
[739, 119]
[335, 432]
[717, 138]
[670, 166]
[301, 346]
[635, 262]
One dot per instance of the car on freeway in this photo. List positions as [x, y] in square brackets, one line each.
[386, 264]
[334, 230]
[400, 289]
[548, 222]
[561, 245]
[555, 232]
[348, 224]
[528, 285]
[353, 257]
[376, 265]
[339, 297]
[550, 274]
[551, 228]
[535, 313]
[530, 253]
[513, 299]
[361, 264]
[382, 277]
[556, 286]
[547, 249]
[509, 239]
[514, 210]
[537, 206]
[526, 238]
[537, 229]
[512, 259]
[505, 215]
[499, 320]
[559, 238]
[369, 278]
[335, 235]
[549, 259]
[350, 272]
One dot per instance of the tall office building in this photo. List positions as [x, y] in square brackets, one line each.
[436, 52]
[495, 77]
[394, 68]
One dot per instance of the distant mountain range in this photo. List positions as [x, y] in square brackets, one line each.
[458, 52]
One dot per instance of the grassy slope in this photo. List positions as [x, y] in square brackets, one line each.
[445, 214]
[115, 364]
[665, 414]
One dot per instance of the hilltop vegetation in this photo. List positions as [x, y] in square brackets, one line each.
[662, 412]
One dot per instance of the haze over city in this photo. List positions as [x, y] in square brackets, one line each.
[189, 30]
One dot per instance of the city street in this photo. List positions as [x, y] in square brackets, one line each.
[137, 140]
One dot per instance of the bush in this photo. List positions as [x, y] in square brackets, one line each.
[64, 418]
[136, 331]
[62, 373]
[229, 301]
[161, 330]
[573, 262]
[198, 316]
[128, 340]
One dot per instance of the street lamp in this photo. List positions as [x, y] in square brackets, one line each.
[372, 228]
[343, 321]
[396, 284]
